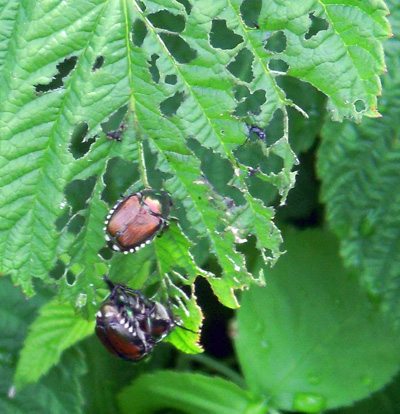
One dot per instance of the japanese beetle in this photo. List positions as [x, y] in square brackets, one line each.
[129, 325]
[162, 322]
[122, 337]
[121, 323]
[136, 220]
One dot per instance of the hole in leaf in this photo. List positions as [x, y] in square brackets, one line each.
[317, 25]
[64, 69]
[139, 32]
[115, 121]
[171, 79]
[275, 128]
[76, 224]
[186, 5]
[58, 270]
[153, 69]
[178, 48]
[77, 193]
[278, 65]
[78, 146]
[170, 105]
[221, 37]
[303, 130]
[118, 178]
[264, 191]
[187, 290]
[248, 248]
[241, 92]
[141, 5]
[105, 253]
[212, 265]
[241, 67]
[62, 221]
[273, 164]
[156, 177]
[98, 63]
[251, 154]
[276, 43]
[360, 105]
[70, 278]
[251, 104]
[250, 11]
[217, 170]
[163, 19]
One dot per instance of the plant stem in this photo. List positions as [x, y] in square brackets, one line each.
[220, 368]
[142, 163]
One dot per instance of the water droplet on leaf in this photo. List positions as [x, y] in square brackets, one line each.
[81, 300]
[314, 379]
[309, 402]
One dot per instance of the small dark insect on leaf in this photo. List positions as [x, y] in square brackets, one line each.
[253, 171]
[256, 130]
[117, 133]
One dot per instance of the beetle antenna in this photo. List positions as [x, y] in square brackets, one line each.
[110, 284]
[186, 329]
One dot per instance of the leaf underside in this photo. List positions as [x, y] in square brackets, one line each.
[363, 162]
[186, 77]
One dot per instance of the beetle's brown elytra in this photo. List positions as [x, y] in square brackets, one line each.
[134, 221]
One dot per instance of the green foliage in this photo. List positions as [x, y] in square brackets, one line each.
[386, 401]
[201, 394]
[212, 99]
[59, 392]
[340, 52]
[174, 86]
[363, 163]
[310, 331]
[55, 329]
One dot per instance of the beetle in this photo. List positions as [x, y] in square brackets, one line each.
[122, 337]
[119, 323]
[129, 325]
[135, 220]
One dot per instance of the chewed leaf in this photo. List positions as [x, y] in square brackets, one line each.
[115, 97]
[336, 47]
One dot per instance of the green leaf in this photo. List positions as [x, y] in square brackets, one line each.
[15, 316]
[386, 401]
[197, 394]
[59, 391]
[310, 331]
[56, 328]
[335, 46]
[106, 375]
[182, 84]
[360, 171]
